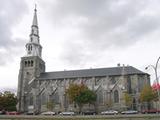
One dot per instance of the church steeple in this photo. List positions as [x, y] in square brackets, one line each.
[35, 22]
[33, 47]
[31, 66]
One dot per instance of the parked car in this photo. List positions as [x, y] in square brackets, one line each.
[2, 112]
[48, 113]
[89, 112]
[30, 113]
[150, 111]
[13, 113]
[67, 113]
[109, 112]
[129, 112]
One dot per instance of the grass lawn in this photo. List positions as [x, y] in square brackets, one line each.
[96, 117]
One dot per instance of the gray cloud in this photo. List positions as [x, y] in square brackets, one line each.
[104, 24]
[76, 50]
[11, 12]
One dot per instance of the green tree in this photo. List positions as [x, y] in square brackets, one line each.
[128, 99]
[74, 90]
[8, 101]
[147, 95]
[80, 94]
[85, 96]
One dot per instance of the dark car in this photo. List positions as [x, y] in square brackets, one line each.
[150, 111]
[89, 112]
[2, 112]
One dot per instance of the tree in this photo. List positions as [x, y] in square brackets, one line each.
[128, 99]
[80, 94]
[86, 96]
[74, 90]
[147, 95]
[8, 101]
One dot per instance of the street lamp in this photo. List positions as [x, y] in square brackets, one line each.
[156, 75]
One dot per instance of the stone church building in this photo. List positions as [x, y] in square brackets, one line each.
[37, 87]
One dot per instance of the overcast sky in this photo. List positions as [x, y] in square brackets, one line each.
[77, 34]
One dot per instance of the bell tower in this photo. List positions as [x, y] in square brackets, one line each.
[31, 66]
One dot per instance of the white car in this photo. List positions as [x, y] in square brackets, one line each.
[48, 113]
[109, 112]
[129, 112]
[67, 113]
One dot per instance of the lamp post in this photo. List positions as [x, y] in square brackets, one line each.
[156, 75]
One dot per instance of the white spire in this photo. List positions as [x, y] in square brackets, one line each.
[35, 22]
[34, 36]
[33, 47]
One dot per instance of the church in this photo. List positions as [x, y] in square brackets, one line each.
[36, 87]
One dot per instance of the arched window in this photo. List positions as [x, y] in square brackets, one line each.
[31, 47]
[31, 63]
[25, 63]
[116, 96]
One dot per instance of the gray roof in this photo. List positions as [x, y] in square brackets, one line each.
[113, 71]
